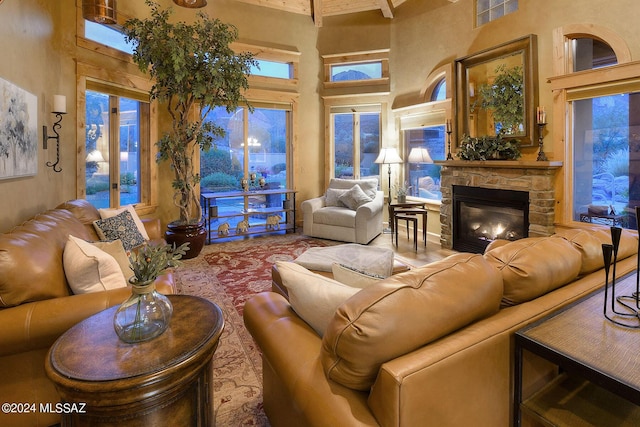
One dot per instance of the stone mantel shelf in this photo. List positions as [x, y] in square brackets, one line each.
[498, 164]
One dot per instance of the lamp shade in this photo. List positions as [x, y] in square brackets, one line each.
[194, 4]
[388, 156]
[100, 11]
[419, 155]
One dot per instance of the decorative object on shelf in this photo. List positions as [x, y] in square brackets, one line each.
[388, 156]
[223, 229]
[59, 109]
[402, 191]
[242, 227]
[488, 148]
[100, 11]
[273, 222]
[210, 74]
[146, 313]
[191, 4]
[623, 310]
[541, 120]
[449, 130]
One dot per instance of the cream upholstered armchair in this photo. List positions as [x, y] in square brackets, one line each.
[350, 211]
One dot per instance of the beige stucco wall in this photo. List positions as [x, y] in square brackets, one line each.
[38, 54]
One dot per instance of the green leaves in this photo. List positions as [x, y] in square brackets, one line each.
[193, 67]
[152, 259]
[505, 98]
[488, 148]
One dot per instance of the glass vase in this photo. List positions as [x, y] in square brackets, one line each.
[144, 315]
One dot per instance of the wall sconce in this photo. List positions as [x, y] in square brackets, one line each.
[193, 4]
[100, 11]
[59, 108]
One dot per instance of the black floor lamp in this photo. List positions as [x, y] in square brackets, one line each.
[388, 156]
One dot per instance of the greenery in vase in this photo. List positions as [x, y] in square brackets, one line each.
[402, 190]
[488, 148]
[194, 71]
[149, 261]
[504, 97]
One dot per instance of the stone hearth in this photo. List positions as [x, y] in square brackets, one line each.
[538, 178]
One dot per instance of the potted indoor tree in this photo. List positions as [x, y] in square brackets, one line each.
[194, 70]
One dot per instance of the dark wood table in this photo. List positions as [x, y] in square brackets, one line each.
[406, 204]
[166, 381]
[599, 361]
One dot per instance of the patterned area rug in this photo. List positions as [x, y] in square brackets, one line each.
[228, 274]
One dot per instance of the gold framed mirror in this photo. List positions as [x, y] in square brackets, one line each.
[495, 92]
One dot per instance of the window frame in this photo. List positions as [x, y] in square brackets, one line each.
[373, 56]
[568, 86]
[503, 4]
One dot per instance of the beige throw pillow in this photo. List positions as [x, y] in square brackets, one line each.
[354, 198]
[90, 269]
[353, 277]
[312, 296]
[116, 250]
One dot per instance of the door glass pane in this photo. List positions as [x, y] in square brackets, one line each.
[369, 144]
[129, 151]
[606, 178]
[343, 145]
[97, 149]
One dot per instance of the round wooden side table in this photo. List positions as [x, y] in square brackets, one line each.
[168, 380]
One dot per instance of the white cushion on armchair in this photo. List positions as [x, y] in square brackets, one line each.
[341, 223]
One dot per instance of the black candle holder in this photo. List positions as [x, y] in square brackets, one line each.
[541, 156]
[449, 156]
[617, 309]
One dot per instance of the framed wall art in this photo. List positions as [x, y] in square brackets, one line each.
[18, 131]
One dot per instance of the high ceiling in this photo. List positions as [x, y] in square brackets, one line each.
[318, 9]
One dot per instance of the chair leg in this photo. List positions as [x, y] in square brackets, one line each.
[415, 235]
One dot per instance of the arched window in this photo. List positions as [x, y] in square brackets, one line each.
[439, 91]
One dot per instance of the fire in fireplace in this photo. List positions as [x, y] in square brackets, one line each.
[481, 215]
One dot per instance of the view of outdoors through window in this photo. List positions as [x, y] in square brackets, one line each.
[424, 178]
[254, 146]
[606, 134]
[108, 154]
[356, 133]
[107, 36]
[363, 71]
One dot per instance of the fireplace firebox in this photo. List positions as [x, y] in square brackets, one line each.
[481, 215]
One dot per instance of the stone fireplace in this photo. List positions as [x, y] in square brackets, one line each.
[533, 177]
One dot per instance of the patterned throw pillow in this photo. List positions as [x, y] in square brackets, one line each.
[121, 226]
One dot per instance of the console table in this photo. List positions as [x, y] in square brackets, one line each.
[166, 381]
[258, 207]
[600, 361]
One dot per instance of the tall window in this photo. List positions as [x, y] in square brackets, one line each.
[422, 175]
[113, 140]
[356, 142]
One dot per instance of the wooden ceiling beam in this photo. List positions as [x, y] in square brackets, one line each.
[316, 11]
[387, 8]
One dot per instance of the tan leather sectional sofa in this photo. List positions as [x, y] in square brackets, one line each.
[429, 347]
[37, 306]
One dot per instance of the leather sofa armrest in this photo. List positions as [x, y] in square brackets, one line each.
[36, 325]
[272, 322]
[153, 227]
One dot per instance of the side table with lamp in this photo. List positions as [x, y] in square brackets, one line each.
[388, 156]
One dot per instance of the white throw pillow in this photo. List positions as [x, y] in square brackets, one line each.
[108, 213]
[332, 197]
[354, 198]
[90, 269]
[353, 277]
[116, 250]
[313, 297]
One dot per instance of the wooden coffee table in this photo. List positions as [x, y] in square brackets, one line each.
[599, 361]
[164, 381]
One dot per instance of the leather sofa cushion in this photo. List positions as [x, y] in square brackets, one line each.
[589, 243]
[534, 266]
[86, 214]
[31, 258]
[404, 312]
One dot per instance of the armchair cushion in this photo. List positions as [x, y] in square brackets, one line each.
[354, 198]
[369, 186]
[332, 197]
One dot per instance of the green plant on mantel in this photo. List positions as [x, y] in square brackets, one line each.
[504, 97]
[194, 71]
[488, 148]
